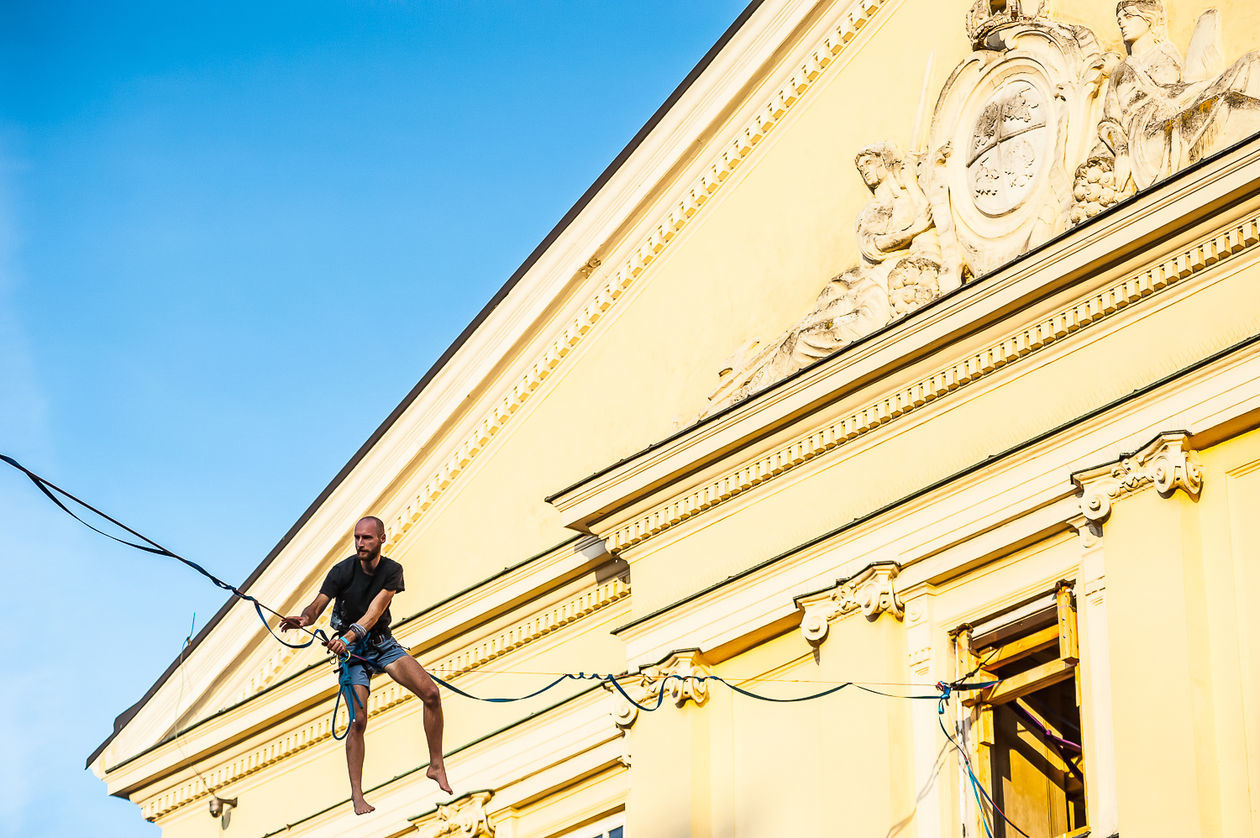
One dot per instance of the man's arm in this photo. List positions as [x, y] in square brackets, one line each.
[379, 603]
[309, 615]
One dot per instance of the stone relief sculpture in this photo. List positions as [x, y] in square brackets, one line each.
[900, 246]
[1020, 113]
[1035, 131]
[464, 817]
[1163, 113]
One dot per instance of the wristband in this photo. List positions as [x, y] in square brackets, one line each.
[359, 631]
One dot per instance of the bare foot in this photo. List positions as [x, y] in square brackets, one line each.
[437, 773]
[361, 806]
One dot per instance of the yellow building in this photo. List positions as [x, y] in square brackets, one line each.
[983, 410]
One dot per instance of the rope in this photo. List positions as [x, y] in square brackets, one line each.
[51, 491]
[977, 788]
[347, 692]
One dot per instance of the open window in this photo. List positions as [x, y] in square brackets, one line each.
[1026, 747]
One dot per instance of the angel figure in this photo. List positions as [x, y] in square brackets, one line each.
[1162, 113]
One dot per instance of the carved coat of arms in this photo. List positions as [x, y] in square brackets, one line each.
[1036, 130]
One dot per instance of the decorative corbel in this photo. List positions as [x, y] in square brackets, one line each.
[463, 817]
[869, 591]
[1167, 463]
[680, 678]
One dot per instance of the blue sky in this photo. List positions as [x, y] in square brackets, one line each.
[232, 237]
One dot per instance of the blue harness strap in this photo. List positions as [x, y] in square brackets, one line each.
[346, 691]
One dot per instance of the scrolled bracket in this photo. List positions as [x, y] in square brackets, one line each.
[1167, 463]
[870, 592]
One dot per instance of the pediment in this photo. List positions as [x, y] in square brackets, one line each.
[736, 234]
[956, 345]
[1037, 129]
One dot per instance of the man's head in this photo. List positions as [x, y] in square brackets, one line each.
[369, 535]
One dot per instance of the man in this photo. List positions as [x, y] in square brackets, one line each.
[363, 586]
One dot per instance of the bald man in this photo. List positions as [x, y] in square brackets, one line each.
[362, 587]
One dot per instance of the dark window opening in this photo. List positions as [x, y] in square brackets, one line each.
[1027, 746]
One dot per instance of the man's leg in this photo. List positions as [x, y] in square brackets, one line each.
[408, 672]
[354, 752]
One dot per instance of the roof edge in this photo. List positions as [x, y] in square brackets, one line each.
[127, 715]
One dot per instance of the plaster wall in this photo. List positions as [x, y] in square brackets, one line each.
[963, 430]
[1180, 572]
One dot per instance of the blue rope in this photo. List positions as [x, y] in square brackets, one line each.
[977, 788]
[347, 693]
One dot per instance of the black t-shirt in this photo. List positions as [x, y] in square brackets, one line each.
[354, 590]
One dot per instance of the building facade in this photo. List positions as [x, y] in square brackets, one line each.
[911, 343]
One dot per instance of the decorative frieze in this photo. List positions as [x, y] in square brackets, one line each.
[538, 626]
[1021, 109]
[1088, 311]
[1167, 463]
[1164, 111]
[463, 817]
[678, 679]
[869, 591]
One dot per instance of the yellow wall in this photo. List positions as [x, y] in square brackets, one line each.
[1183, 643]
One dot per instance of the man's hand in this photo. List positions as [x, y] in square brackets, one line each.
[293, 622]
[337, 646]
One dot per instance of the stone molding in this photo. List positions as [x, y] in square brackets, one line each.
[869, 591]
[787, 93]
[1090, 310]
[388, 696]
[677, 679]
[464, 817]
[540, 625]
[1167, 463]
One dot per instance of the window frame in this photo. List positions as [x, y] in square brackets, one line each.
[1001, 640]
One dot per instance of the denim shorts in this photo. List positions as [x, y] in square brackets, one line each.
[375, 655]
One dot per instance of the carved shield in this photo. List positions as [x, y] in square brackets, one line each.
[1011, 124]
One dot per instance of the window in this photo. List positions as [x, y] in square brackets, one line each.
[1026, 743]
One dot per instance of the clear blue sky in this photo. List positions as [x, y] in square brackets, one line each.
[232, 237]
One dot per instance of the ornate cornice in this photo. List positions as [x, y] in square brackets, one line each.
[680, 678]
[463, 817]
[536, 627]
[1086, 312]
[869, 591]
[725, 158]
[389, 696]
[1167, 463]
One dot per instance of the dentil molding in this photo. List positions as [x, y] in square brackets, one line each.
[725, 156]
[1086, 312]
[870, 591]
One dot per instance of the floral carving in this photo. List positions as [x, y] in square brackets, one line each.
[465, 817]
[870, 592]
[1167, 464]
[680, 678]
